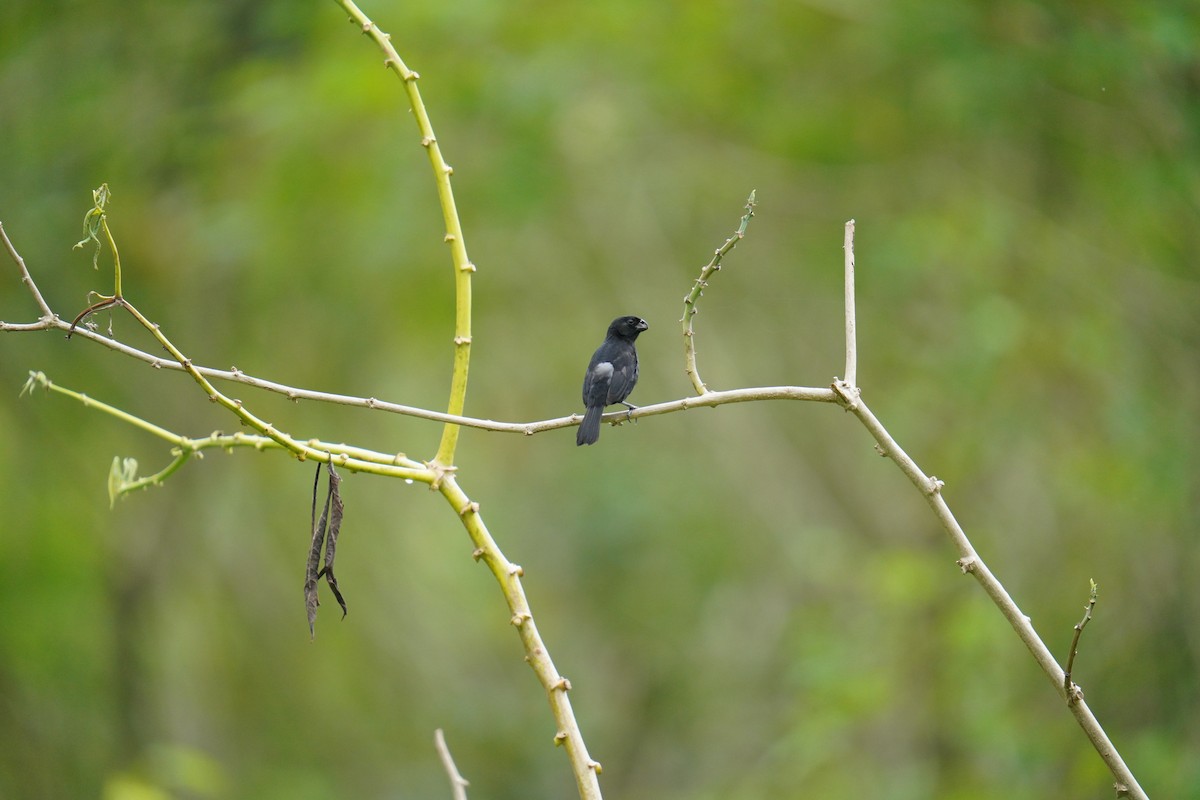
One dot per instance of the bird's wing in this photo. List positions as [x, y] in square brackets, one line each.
[624, 375]
[596, 384]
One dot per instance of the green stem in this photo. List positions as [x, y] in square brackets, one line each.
[357, 459]
[115, 253]
[508, 575]
[463, 268]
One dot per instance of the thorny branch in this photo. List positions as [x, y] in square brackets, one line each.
[690, 300]
[842, 392]
[1073, 692]
[439, 473]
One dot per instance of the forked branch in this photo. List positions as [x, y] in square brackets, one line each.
[439, 472]
[970, 562]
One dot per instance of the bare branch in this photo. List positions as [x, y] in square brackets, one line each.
[851, 376]
[47, 314]
[970, 562]
[439, 472]
[458, 784]
[692, 297]
[1072, 691]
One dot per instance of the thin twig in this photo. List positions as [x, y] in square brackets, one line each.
[357, 459]
[458, 784]
[1072, 691]
[301, 449]
[851, 376]
[47, 313]
[692, 297]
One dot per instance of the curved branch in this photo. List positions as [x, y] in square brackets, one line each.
[689, 301]
[463, 268]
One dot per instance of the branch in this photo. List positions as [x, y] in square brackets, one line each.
[95, 223]
[709, 399]
[1073, 692]
[689, 301]
[463, 268]
[439, 473]
[51, 321]
[970, 562]
[356, 459]
[458, 784]
[47, 314]
[508, 575]
[851, 377]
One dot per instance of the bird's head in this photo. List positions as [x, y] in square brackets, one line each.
[627, 327]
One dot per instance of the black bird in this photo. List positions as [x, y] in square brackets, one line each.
[611, 375]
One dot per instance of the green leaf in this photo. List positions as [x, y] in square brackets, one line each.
[120, 475]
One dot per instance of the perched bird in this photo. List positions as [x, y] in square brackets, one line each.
[611, 375]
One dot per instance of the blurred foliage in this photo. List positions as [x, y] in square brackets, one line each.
[747, 600]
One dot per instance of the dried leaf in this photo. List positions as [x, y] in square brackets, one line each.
[335, 506]
[325, 531]
[311, 573]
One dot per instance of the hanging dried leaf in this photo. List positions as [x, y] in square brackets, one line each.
[335, 507]
[330, 522]
[314, 559]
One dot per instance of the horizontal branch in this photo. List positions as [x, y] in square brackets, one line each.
[708, 399]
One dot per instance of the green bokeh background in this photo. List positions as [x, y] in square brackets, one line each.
[748, 601]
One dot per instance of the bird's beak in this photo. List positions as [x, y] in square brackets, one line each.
[641, 325]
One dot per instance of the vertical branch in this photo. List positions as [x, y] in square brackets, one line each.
[454, 235]
[692, 297]
[851, 376]
[458, 784]
[1072, 691]
[506, 573]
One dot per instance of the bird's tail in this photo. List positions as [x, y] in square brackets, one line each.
[589, 429]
